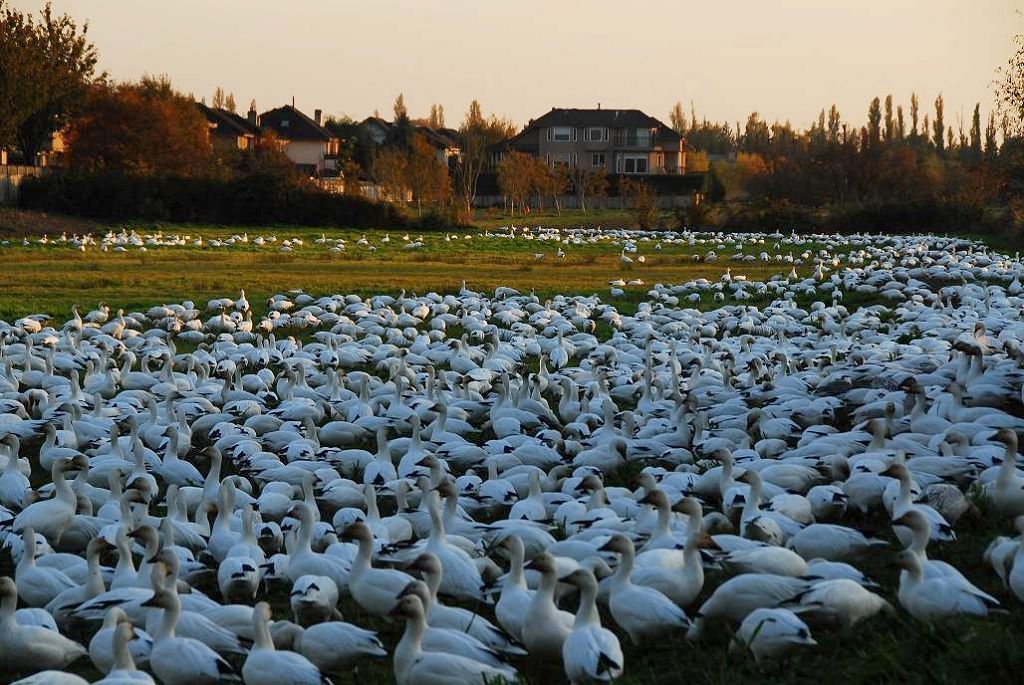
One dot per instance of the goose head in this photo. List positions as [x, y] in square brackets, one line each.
[690, 507]
[427, 563]
[914, 520]
[416, 588]
[543, 563]
[655, 498]
[357, 530]
[582, 578]
[162, 599]
[619, 544]
[410, 606]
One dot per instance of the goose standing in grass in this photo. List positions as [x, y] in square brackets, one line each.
[413, 666]
[642, 612]
[267, 666]
[30, 648]
[771, 633]
[591, 654]
[183, 660]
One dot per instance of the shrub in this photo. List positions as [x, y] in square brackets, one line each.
[255, 199]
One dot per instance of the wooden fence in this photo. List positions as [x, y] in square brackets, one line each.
[11, 177]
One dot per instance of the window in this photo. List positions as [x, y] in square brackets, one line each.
[560, 159]
[597, 159]
[595, 135]
[284, 123]
[631, 164]
[562, 134]
[643, 137]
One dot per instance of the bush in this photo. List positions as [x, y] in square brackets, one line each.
[250, 200]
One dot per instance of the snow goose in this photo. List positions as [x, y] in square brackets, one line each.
[374, 589]
[545, 626]
[267, 666]
[639, 610]
[515, 597]
[770, 633]
[333, 646]
[413, 666]
[591, 653]
[122, 670]
[1007, 490]
[53, 516]
[103, 645]
[182, 660]
[842, 601]
[734, 599]
[934, 599]
[38, 585]
[29, 647]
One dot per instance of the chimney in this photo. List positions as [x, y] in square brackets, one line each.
[293, 101]
[317, 115]
[599, 105]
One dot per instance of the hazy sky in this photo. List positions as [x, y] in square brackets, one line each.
[785, 58]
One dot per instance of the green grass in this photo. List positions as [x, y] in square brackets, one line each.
[50, 278]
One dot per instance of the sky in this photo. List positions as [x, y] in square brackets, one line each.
[783, 58]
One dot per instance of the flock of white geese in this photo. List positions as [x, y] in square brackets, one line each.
[489, 471]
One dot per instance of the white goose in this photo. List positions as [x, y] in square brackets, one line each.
[182, 660]
[641, 611]
[30, 648]
[413, 666]
[122, 670]
[591, 654]
[267, 666]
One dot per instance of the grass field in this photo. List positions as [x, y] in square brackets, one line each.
[52, 278]
[49, 279]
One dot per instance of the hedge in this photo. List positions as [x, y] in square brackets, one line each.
[253, 200]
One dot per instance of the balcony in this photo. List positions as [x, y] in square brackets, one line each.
[633, 140]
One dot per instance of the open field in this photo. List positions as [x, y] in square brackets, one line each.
[51, 277]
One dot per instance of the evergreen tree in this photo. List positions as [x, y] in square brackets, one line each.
[874, 123]
[900, 124]
[914, 111]
[991, 146]
[939, 125]
[677, 118]
[976, 134]
[890, 125]
[229, 102]
[834, 122]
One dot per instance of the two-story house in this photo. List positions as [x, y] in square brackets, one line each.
[305, 141]
[619, 141]
[229, 130]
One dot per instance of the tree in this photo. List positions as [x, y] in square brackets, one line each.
[874, 122]
[436, 119]
[401, 131]
[391, 171]
[645, 205]
[140, 128]
[477, 134]
[229, 103]
[46, 68]
[353, 187]
[900, 125]
[218, 98]
[939, 125]
[550, 182]
[427, 177]
[588, 184]
[976, 134]
[1009, 87]
[834, 121]
[914, 112]
[890, 124]
[677, 118]
[516, 177]
[991, 146]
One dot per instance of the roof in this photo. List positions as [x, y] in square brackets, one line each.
[607, 118]
[439, 138]
[227, 123]
[291, 124]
